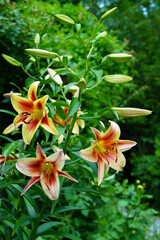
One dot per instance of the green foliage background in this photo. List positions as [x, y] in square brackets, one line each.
[121, 211]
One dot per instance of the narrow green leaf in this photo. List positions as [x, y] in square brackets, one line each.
[60, 131]
[8, 112]
[68, 86]
[65, 60]
[21, 221]
[10, 147]
[45, 226]
[31, 211]
[6, 138]
[66, 208]
[73, 107]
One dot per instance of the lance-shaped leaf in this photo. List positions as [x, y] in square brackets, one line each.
[41, 53]
[117, 78]
[120, 57]
[131, 112]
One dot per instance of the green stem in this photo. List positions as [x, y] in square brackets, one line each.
[28, 73]
[32, 235]
[71, 128]
[91, 37]
[70, 132]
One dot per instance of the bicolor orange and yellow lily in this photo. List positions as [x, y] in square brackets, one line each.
[31, 114]
[107, 150]
[44, 169]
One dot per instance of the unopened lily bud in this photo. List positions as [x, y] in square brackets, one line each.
[56, 78]
[73, 89]
[8, 95]
[138, 181]
[120, 57]
[61, 57]
[47, 77]
[32, 59]
[131, 112]
[117, 78]
[41, 53]
[37, 39]
[102, 34]
[109, 13]
[11, 60]
[140, 187]
[82, 83]
[65, 19]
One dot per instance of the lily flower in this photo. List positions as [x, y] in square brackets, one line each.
[44, 169]
[3, 159]
[107, 150]
[31, 114]
[79, 122]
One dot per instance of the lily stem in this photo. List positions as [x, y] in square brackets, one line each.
[32, 235]
[70, 132]
[28, 73]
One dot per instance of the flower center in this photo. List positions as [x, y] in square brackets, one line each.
[48, 168]
[26, 115]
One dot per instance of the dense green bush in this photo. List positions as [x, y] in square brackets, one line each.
[116, 210]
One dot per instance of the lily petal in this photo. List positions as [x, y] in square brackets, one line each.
[39, 106]
[60, 139]
[101, 165]
[18, 120]
[29, 129]
[39, 152]
[48, 125]
[124, 145]
[97, 133]
[64, 174]
[21, 104]
[81, 123]
[50, 185]
[75, 129]
[32, 91]
[89, 154]
[58, 159]
[29, 166]
[9, 129]
[119, 163]
[30, 183]
[112, 134]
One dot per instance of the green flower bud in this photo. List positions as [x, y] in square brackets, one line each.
[82, 83]
[37, 39]
[109, 13]
[117, 78]
[32, 59]
[131, 112]
[120, 57]
[11, 60]
[102, 34]
[41, 53]
[65, 19]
